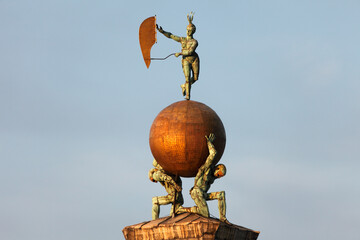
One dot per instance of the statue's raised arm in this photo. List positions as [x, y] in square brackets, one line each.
[168, 34]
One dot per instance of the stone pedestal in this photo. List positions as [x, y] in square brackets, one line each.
[188, 226]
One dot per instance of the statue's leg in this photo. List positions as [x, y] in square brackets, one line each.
[155, 208]
[157, 201]
[178, 203]
[187, 69]
[188, 88]
[195, 69]
[174, 208]
[175, 203]
[221, 203]
[199, 198]
[182, 209]
[183, 89]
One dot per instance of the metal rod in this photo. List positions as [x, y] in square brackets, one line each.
[176, 179]
[162, 58]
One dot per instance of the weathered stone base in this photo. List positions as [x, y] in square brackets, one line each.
[188, 226]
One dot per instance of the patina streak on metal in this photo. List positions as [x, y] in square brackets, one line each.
[177, 137]
[147, 38]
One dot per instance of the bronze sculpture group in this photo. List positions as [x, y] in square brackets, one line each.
[187, 140]
[206, 176]
[209, 171]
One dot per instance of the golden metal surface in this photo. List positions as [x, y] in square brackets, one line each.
[177, 137]
[147, 38]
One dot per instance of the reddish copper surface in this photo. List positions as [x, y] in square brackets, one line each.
[177, 137]
[147, 38]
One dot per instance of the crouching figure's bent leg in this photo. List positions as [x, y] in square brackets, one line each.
[220, 196]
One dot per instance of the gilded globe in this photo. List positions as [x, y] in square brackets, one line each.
[177, 137]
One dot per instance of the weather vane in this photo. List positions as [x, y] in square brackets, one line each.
[190, 59]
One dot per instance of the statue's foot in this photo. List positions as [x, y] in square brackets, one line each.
[224, 220]
[183, 89]
[180, 210]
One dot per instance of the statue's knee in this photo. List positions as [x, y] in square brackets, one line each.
[193, 194]
[222, 195]
[155, 201]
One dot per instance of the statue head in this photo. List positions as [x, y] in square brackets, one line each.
[151, 174]
[190, 29]
[220, 171]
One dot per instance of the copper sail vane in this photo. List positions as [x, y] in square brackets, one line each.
[147, 38]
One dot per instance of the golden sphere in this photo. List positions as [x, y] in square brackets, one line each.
[177, 137]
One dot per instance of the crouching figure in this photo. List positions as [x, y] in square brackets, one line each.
[205, 176]
[173, 187]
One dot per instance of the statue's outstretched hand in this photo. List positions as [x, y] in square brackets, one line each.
[210, 138]
[159, 28]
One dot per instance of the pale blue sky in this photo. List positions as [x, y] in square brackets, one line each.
[77, 103]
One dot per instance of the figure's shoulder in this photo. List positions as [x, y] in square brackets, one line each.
[194, 43]
[192, 40]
